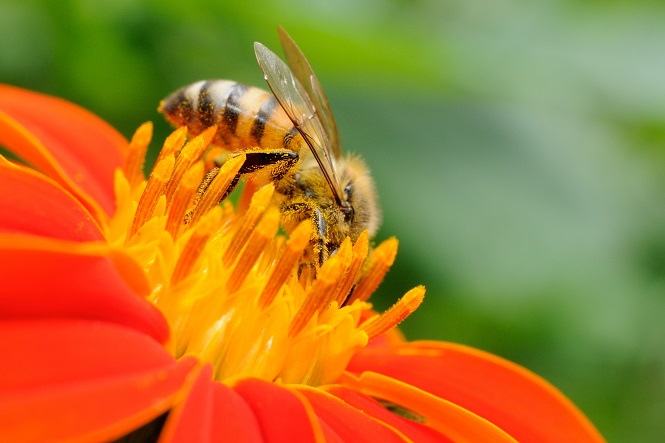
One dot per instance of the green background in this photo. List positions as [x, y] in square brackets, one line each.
[518, 147]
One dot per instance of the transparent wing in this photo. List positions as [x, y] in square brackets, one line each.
[300, 108]
[302, 70]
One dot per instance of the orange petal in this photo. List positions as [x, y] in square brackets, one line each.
[329, 435]
[212, 412]
[45, 278]
[349, 423]
[457, 423]
[71, 145]
[410, 428]
[93, 381]
[31, 203]
[516, 400]
[280, 411]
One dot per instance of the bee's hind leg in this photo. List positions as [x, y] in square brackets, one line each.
[282, 160]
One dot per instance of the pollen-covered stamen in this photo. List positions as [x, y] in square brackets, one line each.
[138, 147]
[153, 190]
[297, 243]
[173, 143]
[381, 260]
[246, 225]
[404, 307]
[183, 197]
[210, 195]
[191, 153]
[360, 250]
[323, 289]
[264, 232]
[196, 244]
[347, 248]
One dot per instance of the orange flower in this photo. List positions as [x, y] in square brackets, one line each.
[114, 312]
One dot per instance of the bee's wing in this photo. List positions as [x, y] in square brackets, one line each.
[303, 72]
[298, 105]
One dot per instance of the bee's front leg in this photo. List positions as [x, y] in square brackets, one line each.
[294, 213]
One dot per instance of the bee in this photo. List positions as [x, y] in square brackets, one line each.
[289, 136]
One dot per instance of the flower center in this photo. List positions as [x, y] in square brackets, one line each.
[229, 285]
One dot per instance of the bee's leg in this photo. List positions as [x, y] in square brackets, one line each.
[321, 228]
[318, 241]
[259, 159]
[282, 160]
[317, 253]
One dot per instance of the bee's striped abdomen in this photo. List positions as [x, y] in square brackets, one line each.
[246, 116]
[262, 117]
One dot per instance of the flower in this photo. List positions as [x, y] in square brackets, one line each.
[128, 301]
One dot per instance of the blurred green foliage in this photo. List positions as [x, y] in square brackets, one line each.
[519, 150]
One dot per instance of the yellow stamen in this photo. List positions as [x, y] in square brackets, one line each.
[153, 190]
[196, 244]
[294, 248]
[264, 232]
[173, 143]
[190, 154]
[246, 225]
[138, 147]
[182, 199]
[273, 251]
[212, 193]
[345, 248]
[360, 250]
[381, 260]
[322, 290]
[246, 196]
[392, 317]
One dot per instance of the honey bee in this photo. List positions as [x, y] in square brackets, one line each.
[336, 192]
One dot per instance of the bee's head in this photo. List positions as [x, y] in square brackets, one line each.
[360, 203]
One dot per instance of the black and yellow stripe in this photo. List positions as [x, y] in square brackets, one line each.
[264, 115]
[247, 117]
